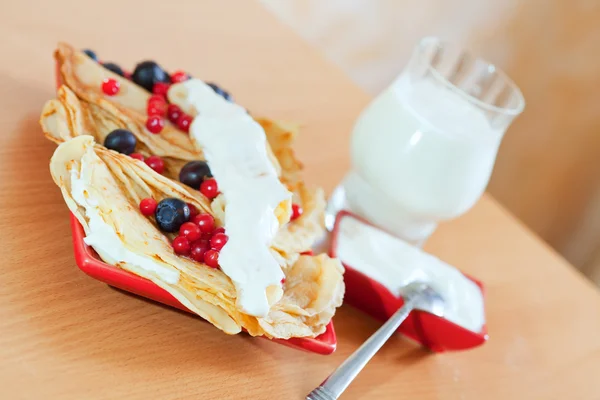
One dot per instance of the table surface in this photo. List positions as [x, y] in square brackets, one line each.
[66, 336]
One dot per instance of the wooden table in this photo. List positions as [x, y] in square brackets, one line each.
[66, 336]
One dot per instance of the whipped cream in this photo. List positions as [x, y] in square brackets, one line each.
[235, 148]
[395, 263]
[102, 237]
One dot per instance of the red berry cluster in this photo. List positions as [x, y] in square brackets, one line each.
[156, 110]
[158, 107]
[198, 238]
[154, 162]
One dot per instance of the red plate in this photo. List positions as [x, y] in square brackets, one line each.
[376, 300]
[90, 263]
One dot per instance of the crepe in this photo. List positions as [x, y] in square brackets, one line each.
[81, 108]
[80, 97]
[114, 183]
[314, 285]
[84, 77]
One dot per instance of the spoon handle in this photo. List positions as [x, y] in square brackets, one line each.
[339, 379]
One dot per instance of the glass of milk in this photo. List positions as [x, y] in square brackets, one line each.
[422, 152]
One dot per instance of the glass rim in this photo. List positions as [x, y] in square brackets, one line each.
[513, 111]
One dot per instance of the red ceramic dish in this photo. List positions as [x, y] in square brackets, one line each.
[374, 299]
[90, 263]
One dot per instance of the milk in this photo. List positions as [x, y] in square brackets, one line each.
[422, 152]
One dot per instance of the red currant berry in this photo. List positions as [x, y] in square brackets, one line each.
[205, 222]
[218, 241]
[181, 245]
[179, 76]
[282, 281]
[207, 236]
[160, 88]
[183, 122]
[296, 211]
[198, 249]
[218, 230]
[156, 108]
[190, 231]
[157, 98]
[137, 156]
[193, 211]
[173, 113]
[148, 206]
[211, 258]
[155, 124]
[204, 243]
[209, 188]
[111, 86]
[156, 163]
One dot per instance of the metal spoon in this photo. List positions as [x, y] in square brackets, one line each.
[417, 296]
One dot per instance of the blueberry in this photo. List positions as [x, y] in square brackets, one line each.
[91, 54]
[121, 140]
[147, 73]
[114, 68]
[171, 214]
[194, 172]
[220, 91]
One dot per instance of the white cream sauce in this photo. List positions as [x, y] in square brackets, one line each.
[102, 237]
[395, 263]
[234, 146]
